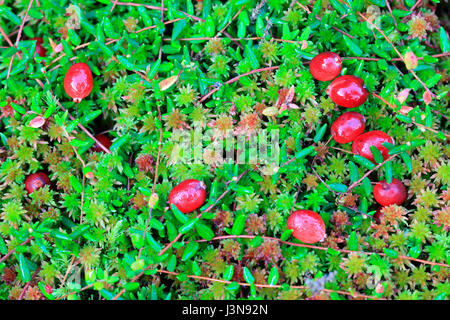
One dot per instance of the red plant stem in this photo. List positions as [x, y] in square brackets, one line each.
[10, 65]
[19, 35]
[417, 124]
[14, 250]
[267, 285]
[155, 8]
[415, 5]
[82, 289]
[322, 248]
[25, 288]
[396, 51]
[162, 36]
[18, 38]
[114, 5]
[236, 79]
[354, 184]
[155, 177]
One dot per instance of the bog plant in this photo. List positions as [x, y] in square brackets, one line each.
[98, 224]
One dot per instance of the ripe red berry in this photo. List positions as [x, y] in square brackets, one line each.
[387, 194]
[188, 196]
[40, 50]
[378, 215]
[361, 145]
[78, 81]
[48, 289]
[104, 140]
[325, 66]
[347, 127]
[35, 181]
[308, 226]
[348, 91]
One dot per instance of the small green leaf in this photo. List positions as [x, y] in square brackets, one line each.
[443, 40]
[256, 241]
[338, 187]
[126, 63]
[377, 156]
[75, 183]
[233, 286]
[228, 273]
[354, 48]
[391, 253]
[353, 242]
[367, 186]
[407, 160]
[180, 216]
[238, 225]
[388, 171]
[248, 277]
[333, 252]
[414, 252]
[363, 161]
[286, 234]
[353, 170]
[188, 226]
[24, 270]
[3, 248]
[320, 133]
[273, 276]
[119, 142]
[190, 251]
[204, 231]
[196, 268]
[305, 152]
[131, 286]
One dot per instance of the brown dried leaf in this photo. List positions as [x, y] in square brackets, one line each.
[37, 122]
[167, 83]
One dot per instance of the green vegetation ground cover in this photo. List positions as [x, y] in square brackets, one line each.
[103, 229]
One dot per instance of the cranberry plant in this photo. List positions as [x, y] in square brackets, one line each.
[95, 221]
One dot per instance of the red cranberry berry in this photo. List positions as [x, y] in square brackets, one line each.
[188, 196]
[348, 91]
[378, 215]
[40, 50]
[387, 194]
[347, 127]
[308, 226]
[325, 66]
[104, 140]
[36, 181]
[48, 289]
[361, 145]
[78, 81]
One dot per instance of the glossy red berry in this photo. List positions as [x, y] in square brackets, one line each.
[40, 50]
[78, 81]
[188, 196]
[378, 215]
[361, 145]
[308, 226]
[104, 140]
[347, 127]
[325, 66]
[48, 289]
[348, 91]
[387, 194]
[35, 181]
